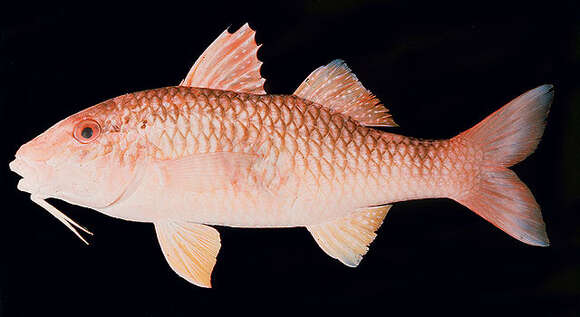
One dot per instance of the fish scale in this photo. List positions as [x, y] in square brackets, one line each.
[325, 155]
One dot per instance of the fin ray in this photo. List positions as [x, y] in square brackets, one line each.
[507, 137]
[186, 254]
[513, 132]
[347, 239]
[229, 63]
[208, 171]
[336, 87]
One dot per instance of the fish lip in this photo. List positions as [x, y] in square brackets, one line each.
[27, 187]
[22, 167]
[28, 173]
[16, 166]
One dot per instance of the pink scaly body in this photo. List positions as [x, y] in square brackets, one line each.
[312, 165]
[218, 150]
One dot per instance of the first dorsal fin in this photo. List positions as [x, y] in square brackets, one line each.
[229, 63]
[347, 239]
[336, 87]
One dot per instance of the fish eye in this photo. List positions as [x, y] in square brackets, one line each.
[87, 131]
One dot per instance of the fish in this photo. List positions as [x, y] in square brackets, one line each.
[217, 150]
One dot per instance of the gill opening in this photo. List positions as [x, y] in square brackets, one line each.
[68, 222]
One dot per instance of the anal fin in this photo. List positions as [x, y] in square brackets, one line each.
[347, 239]
[190, 249]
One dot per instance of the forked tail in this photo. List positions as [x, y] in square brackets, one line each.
[507, 137]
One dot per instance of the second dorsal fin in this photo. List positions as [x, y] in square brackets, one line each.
[336, 87]
[229, 63]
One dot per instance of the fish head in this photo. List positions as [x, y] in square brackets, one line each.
[88, 159]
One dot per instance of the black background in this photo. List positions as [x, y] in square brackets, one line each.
[440, 67]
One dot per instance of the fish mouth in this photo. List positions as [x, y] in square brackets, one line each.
[29, 183]
[28, 173]
[17, 166]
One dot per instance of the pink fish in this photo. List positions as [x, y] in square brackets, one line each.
[218, 151]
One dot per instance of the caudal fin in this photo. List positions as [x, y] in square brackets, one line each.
[507, 137]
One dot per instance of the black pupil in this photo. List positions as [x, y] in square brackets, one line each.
[87, 133]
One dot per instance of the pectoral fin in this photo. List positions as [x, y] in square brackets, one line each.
[347, 239]
[190, 249]
[208, 171]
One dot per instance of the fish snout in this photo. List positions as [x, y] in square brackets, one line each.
[18, 166]
[35, 150]
[27, 161]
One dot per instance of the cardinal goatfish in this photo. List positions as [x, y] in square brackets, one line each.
[217, 150]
